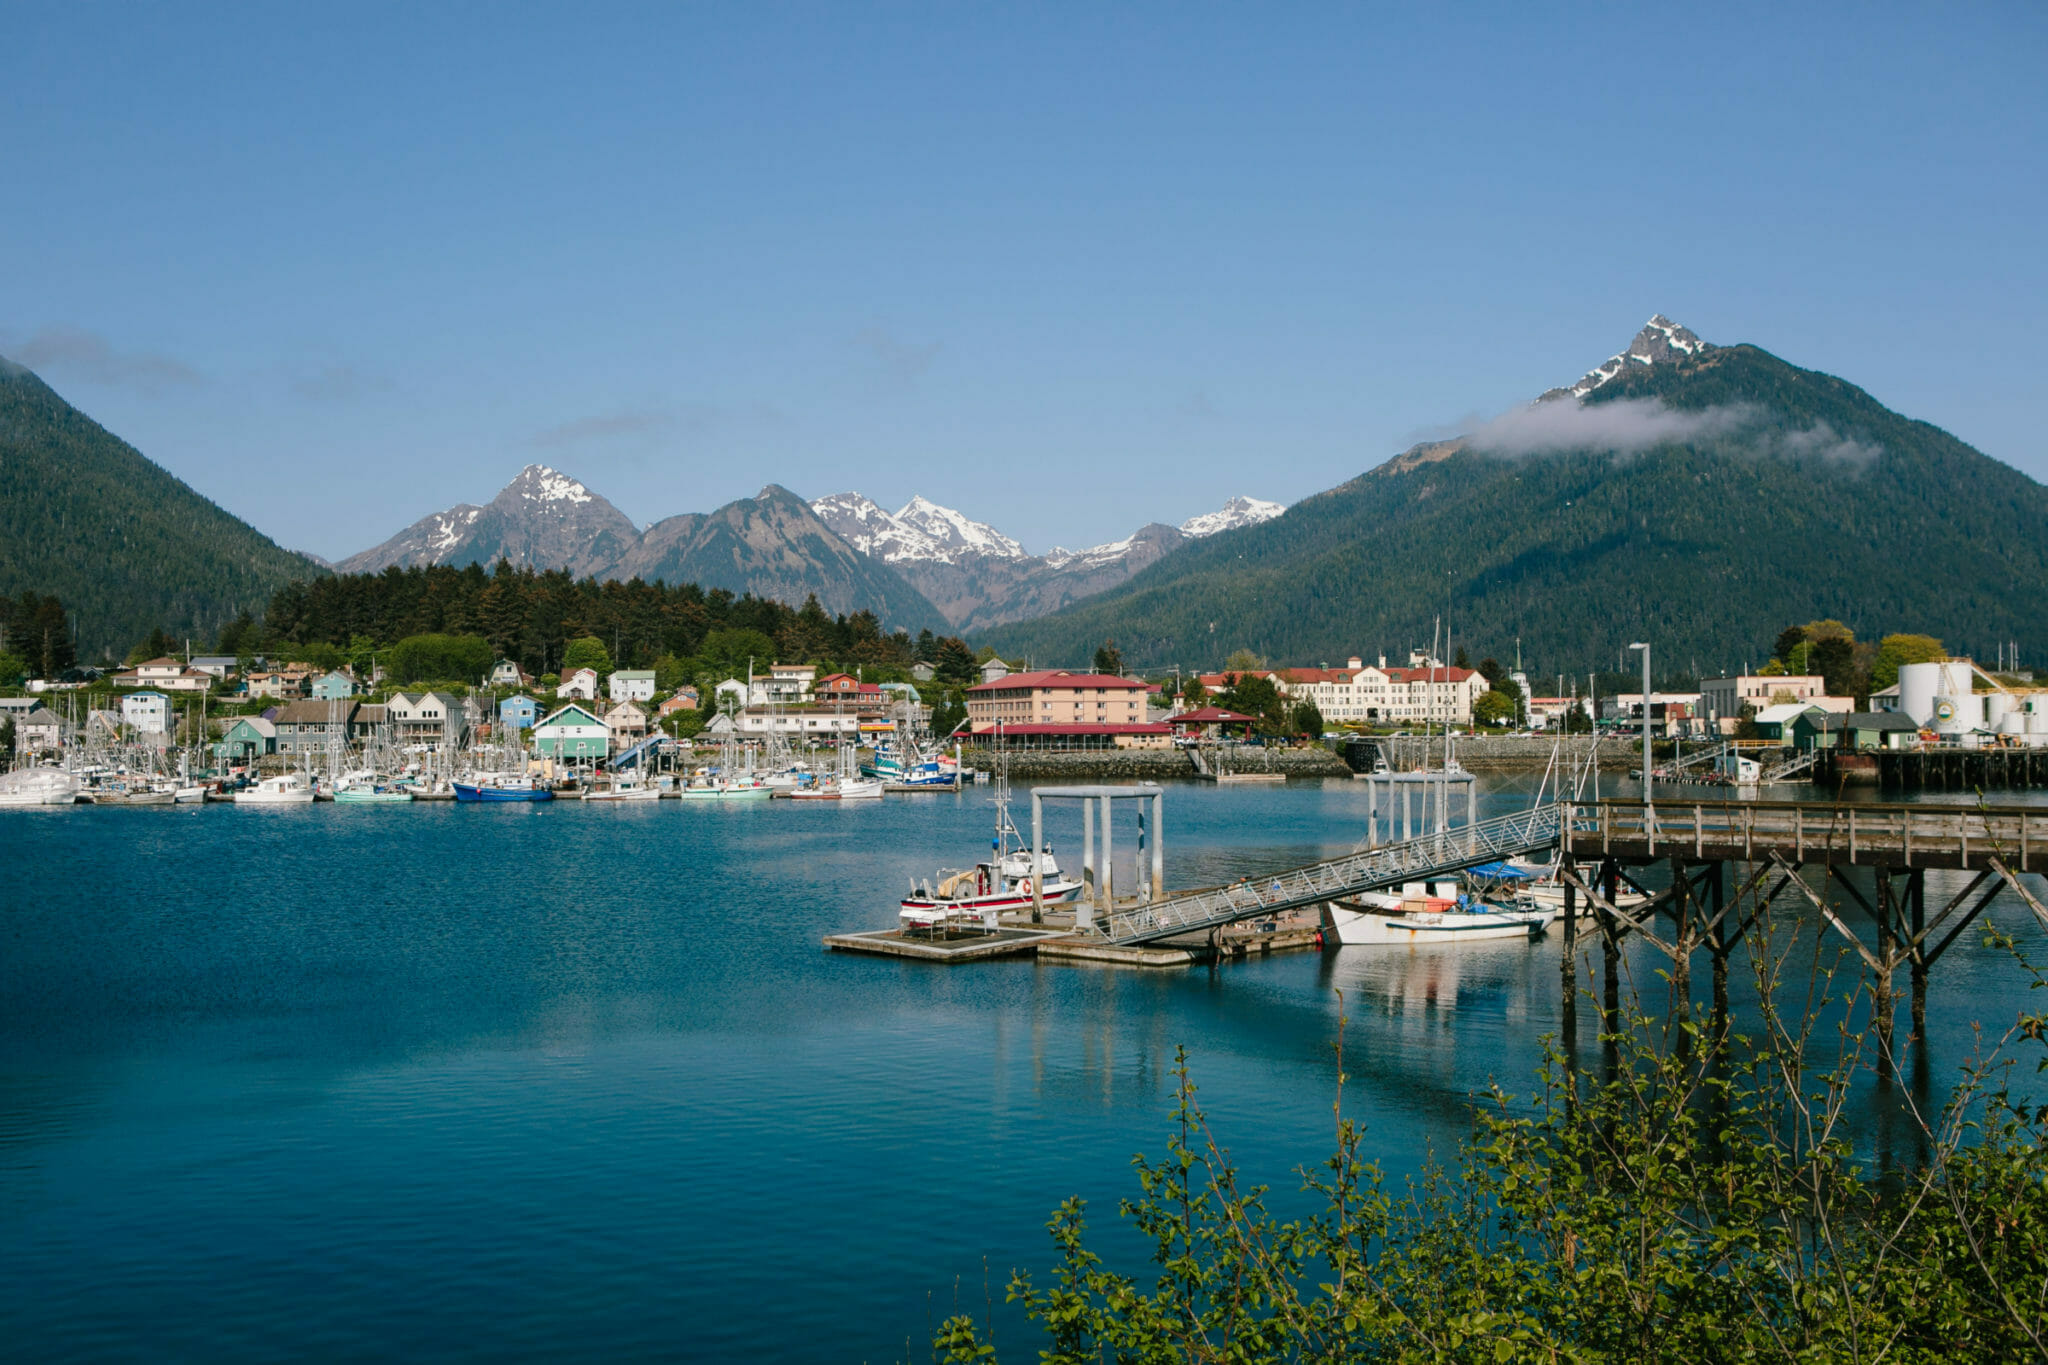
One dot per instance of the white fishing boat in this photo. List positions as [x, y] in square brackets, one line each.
[977, 897]
[623, 791]
[38, 787]
[190, 794]
[860, 789]
[1423, 913]
[292, 789]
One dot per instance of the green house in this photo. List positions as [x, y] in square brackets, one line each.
[246, 739]
[571, 733]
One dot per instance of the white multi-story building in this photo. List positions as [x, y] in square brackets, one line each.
[1426, 690]
[631, 684]
[148, 713]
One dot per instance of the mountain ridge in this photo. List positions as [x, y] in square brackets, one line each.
[1719, 493]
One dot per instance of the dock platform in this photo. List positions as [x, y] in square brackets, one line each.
[1006, 942]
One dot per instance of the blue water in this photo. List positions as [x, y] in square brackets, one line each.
[578, 1081]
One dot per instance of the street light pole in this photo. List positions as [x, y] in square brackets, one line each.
[1646, 718]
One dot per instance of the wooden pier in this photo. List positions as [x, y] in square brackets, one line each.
[1938, 769]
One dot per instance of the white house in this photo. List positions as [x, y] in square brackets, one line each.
[149, 713]
[169, 674]
[789, 684]
[625, 725]
[737, 690]
[582, 684]
[505, 673]
[632, 684]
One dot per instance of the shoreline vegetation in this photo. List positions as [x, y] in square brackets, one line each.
[1694, 1197]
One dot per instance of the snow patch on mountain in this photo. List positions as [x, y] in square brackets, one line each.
[956, 532]
[920, 531]
[1659, 343]
[538, 483]
[1239, 511]
[1094, 557]
[448, 530]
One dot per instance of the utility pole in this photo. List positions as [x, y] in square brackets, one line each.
[1646, 718]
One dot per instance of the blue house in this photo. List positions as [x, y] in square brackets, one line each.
[518, 713]
[335, 687]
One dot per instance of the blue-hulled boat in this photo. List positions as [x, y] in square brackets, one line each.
[503, 787]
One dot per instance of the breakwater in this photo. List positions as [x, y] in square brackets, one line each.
[1487, 753]
[1154, 765]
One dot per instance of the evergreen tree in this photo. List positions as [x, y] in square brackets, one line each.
[1108, 659]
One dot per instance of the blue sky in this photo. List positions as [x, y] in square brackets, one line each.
[1068, 268]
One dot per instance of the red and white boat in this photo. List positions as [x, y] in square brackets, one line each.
[978, 897]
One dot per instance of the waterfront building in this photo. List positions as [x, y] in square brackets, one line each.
[518, 713]
[1055, 696]
[315, 727]
[1722, 699]
[581, 685]
[436, 719]
[147, 713]
[626, 725]
[631, 684]
[809, 721]
[246, 739]
[1776, 722]
[573, 732]
[1425, 691]
[1211, 722]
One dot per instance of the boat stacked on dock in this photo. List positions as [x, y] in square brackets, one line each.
[1432, 913]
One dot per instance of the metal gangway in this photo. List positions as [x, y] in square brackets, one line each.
[1419, 859]
[638, 755]
[1665, 772]
[1791, 767]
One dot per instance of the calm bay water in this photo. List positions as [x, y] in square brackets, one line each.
[578, 1081]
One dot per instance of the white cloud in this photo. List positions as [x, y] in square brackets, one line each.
[90, 356]
[1629, 426]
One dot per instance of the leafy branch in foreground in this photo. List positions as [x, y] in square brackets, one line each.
[1697, 1204]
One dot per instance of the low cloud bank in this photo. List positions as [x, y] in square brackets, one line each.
[1629, 426]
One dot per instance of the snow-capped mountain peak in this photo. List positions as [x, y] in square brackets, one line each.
[1660, 342]
[955, 531]
[1239, 511]
[539, 483]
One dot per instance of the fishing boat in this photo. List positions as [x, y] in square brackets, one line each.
[977, 897]
[38, 787]
[190, 794]
[902, 765]
[623, 791]
[292, 789]
[1425, 913]
[744, 788]
[503, 787]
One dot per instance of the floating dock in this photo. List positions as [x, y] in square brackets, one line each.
[1006, 942]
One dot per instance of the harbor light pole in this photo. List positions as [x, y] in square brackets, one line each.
[1646, 718]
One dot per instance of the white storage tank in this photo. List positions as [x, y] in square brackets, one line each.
[1918, 684]
[2012, 723]
[2037, 722]
[1958, 714]
[1997, 706]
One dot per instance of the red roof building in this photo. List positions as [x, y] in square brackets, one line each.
[1056, 696]
[1211, 722]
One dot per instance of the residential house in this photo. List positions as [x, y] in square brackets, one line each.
[437, 720]
[518, 713]
[246, 739]
[282, 683]
[573, 733]
[995, 670]
[846, 691]
[580, 685]
[626, 724]
[1211, 722]
[38, 730]
[685, 699]
[147, 713]
[811, 722]
[315, 727]
[335, 686]
[167, 674]
[734, 689]
[787, 684]
[631, 684]
[216, 666]
[505, 673]
[924, 672]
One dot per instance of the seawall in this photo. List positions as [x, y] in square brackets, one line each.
[1156, 765]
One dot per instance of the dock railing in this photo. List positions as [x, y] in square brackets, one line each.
[1893, 835]
[1417, 859]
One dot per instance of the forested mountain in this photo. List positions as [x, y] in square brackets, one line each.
[1699, 497]
[127, 546]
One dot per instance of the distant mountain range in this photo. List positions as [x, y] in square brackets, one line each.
[1696, 496]
[979, 577]
[126, 545]
[771, 545]
[921, 566]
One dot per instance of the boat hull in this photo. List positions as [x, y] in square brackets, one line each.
[468, 791]
[727, 793]
[251, 798]
[918, 908]
[630, 794]
[1356, 927]
[371, 798]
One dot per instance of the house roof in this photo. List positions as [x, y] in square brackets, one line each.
[560, 712]
[317, 712]
[635, 673]
[1044, 728]
[1784, 713]
[256, 723]
[1876, 720]
[1209, 715]
[1059, 678]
